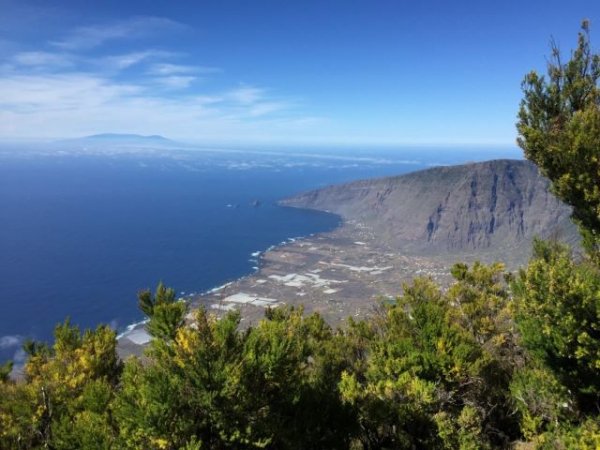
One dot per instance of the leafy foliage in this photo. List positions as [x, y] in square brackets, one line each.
[165, 313]
[434, 375]
[559, 130]
[63, 401]
[230, 389]
[5, 370]
[559, 318]
[557, 298]
[438, 369]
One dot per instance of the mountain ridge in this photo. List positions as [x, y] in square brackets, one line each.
[124, 140]
[125, 137]
[488, 210]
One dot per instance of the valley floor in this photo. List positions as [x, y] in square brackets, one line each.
[340, 274]
[346, 272]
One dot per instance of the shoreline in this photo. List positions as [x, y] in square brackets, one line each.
[134, 337]
[345, 272]
[341, 273]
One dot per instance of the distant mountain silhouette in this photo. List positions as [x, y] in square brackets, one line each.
[116, 137]
[490, 210]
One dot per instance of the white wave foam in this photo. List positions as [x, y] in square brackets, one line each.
[10, 341]
[131, 327]
[218, 288]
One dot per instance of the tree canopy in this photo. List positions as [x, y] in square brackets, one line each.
[559, 130]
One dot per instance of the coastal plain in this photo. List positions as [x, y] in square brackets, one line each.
[347, 272]
[340, 274]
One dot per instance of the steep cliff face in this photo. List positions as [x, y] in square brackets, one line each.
[491, 209]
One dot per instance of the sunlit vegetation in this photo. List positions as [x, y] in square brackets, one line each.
[496, 360]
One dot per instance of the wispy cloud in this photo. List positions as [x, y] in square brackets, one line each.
[75, 86]
[95, 35]
[126, 60]
[170, 69]
[175, 81]
[41, 58]
[73, 104]
[10, 341]
[44, 94]
[246, 95]
[266, 108]
[179, 76]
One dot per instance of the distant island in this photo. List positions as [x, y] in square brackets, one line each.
[125, 140]
[110, 137]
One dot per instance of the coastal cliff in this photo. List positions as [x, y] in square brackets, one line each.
[490, 210]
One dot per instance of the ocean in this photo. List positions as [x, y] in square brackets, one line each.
[81, 234]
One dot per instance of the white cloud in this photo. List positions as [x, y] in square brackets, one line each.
[265, 108]
[40, 58]
[207, 99]
[246, 95]
[178, 76]
[70, 92]
[165, 69]
[47, 94]
[75, 104]
[96, 35]
[128, 59]
[175, 81]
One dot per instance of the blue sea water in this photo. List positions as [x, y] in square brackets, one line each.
[80, 235]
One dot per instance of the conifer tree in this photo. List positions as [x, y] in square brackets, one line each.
[559, 130]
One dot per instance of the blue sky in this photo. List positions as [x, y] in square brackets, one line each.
[273, 72]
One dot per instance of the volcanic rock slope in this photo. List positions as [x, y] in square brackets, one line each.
[488, 211]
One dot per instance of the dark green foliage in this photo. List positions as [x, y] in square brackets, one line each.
[162, 296]
[165, 313]
[63, 403]
[559, 130]
[559, 318]
[583, 436]
[34, 348]
[230, 389]
[435, 373]
[543, 403]
[557, 298]
[5, 370]
[438, 369]
[185, 391]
